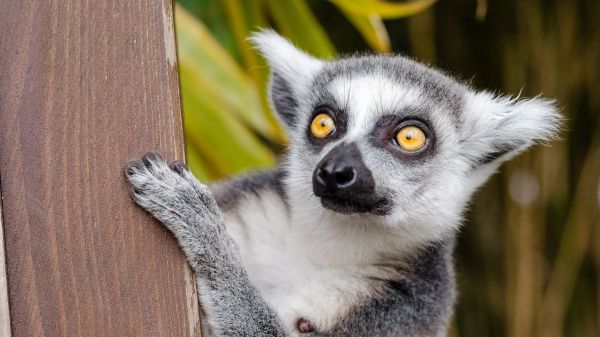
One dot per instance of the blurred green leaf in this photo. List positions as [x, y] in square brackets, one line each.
[385, 9]
[224, 143]
[197, 164]
[245, 17]
[212, 14]
[215, 76]
[297, 22]
[372, 29]
[221, 105]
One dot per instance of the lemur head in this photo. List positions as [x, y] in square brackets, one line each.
[390, 140]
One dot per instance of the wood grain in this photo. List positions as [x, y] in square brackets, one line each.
[84, 86]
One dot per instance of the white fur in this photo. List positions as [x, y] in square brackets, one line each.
[518, 122]
[370, 97]
[286, 263]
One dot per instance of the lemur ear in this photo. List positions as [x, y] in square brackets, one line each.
[498, 128]
[291, 72]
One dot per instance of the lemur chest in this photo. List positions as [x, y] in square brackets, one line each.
[299, 290]
[288, 277]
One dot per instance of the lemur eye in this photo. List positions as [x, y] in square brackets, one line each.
[322, 125]
[411, 138]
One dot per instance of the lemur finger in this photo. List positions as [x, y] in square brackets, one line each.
[151, 158]
[139, 176]
[140, 198]
[132, 167]
[183, 171]
[155, 163]
[179, 167]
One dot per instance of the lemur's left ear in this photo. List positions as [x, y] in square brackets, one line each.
[496, 129]
[291, 72]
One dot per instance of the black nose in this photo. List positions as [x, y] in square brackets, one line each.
[335, 175]
[342, 173]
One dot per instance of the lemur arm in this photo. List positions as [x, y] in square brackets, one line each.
[186, 207]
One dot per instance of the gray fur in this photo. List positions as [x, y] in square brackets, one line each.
[417, 304]
[441, 90]
[283, 99]
[229, 193]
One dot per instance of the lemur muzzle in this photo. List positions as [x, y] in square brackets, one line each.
[342, 173]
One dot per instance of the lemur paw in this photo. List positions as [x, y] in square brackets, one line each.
[169, 192]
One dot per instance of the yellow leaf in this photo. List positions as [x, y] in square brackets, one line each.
[385, 9]
[372, 29]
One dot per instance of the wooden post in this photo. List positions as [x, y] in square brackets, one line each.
[84, 86]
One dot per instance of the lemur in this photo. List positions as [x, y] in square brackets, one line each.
[352, 234]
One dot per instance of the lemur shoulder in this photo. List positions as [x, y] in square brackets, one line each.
[353, 233]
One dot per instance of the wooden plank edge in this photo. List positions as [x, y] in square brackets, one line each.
[4, 307]
[193, 304]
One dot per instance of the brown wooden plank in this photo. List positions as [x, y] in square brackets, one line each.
[84, 86]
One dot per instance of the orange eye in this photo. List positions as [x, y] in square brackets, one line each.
[411, 138]
[322, 125]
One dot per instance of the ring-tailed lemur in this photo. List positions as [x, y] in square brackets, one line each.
[352, 235]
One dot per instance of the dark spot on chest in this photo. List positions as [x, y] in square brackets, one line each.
[304, 326]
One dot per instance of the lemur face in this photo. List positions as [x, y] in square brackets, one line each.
[391, 139]
[391, 125]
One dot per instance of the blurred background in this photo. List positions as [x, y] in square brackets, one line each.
[528, 258]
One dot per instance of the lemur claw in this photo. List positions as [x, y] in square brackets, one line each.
[179, 167]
